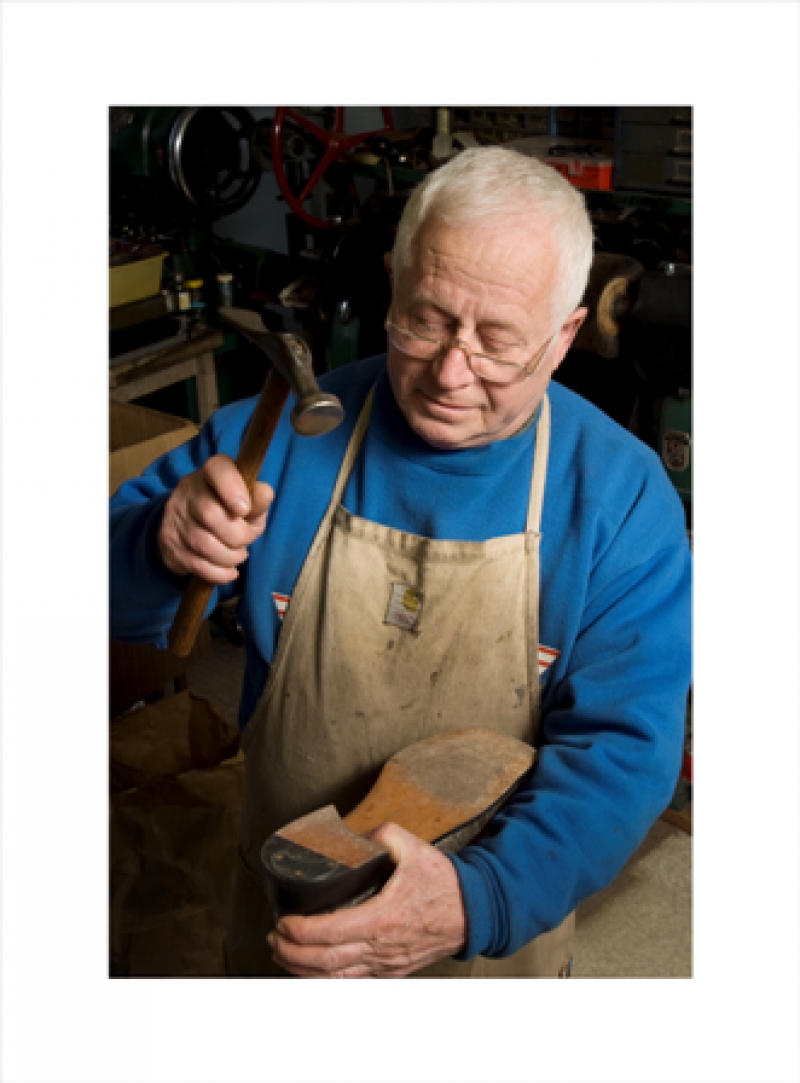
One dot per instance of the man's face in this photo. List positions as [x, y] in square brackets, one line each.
[489, 286]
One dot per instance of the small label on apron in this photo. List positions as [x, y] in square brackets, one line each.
[405, 606]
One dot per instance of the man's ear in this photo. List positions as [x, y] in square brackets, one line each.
[387, 263]
[566, 335]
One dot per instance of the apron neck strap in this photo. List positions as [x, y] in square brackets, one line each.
[353, 447]
[539, 468]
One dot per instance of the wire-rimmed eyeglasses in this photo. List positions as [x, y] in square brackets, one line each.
[492, 369]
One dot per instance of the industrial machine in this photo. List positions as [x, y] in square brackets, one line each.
[172, 172]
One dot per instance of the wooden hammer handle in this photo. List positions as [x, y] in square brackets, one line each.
[249, 461]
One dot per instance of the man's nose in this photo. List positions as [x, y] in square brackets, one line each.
[451, 366]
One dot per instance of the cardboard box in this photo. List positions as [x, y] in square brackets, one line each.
[137, 671]
[176, 777]
[137, 436]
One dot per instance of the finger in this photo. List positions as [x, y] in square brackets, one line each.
[201, 543]
[359, 971]
[204, 516]
[204, 510]
[360, 959]
[211, 500]
[351, 972]
[181, 560]
[317, 959]
[351, 925]
[210, 573]
[227, 484]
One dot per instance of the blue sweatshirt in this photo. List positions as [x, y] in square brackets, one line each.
[615, 616]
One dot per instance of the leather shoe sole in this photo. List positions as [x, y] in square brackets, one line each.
[444, 790]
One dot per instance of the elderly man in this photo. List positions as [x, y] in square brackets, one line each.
[547, 556]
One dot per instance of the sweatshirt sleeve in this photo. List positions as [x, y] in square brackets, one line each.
[143, 594]
[612, 739]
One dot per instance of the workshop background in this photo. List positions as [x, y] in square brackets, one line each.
[288, 211]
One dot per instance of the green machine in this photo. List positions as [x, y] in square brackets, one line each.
[185, 166]
[658, 335]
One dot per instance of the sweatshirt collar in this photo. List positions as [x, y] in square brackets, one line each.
[396, 433]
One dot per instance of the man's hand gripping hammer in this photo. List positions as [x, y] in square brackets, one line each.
[314, 413]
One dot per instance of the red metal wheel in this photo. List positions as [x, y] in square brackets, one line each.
[335, 145]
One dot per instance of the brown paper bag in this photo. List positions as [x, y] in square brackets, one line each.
[177, 778]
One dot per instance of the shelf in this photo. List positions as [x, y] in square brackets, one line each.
[663, 203]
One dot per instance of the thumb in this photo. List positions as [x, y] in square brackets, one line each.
[263, 495]
[400, 843]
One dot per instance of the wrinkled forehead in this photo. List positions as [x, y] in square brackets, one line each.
[516, 246]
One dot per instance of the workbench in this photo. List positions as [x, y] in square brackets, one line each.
[162, 368]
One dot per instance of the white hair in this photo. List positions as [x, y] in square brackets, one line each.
[486, 183]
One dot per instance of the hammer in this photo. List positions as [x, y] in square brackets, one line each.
[314, 413]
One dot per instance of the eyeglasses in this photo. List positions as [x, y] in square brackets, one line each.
[491, 369]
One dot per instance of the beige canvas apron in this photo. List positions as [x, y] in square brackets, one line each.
[347, 690]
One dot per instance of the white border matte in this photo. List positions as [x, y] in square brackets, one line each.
[63, 64]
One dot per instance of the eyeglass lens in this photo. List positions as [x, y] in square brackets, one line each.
[505, 372]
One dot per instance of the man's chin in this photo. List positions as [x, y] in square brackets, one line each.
[444, 435]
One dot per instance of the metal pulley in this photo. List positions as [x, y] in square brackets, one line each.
[210, 158]
[167, 160]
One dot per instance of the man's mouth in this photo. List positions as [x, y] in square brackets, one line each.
[446, 405]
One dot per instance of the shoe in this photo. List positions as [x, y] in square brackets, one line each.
[444, 790]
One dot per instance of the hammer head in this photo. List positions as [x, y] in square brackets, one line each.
[315, 411]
